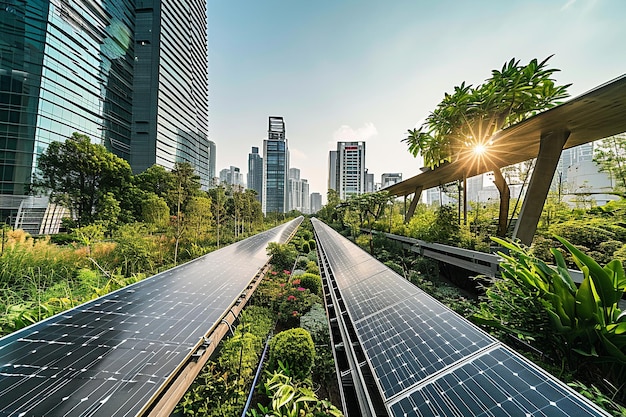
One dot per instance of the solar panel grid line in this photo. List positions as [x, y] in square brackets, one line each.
[365, 408]
[419, 351]
[444, 371]
[70, 371]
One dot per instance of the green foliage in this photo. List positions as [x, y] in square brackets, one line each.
[305, 248]
[586, 321]
[595, 395]
[291, 397]
[134, 252]
[294, 347]
[257, 320]
[84, 177]
[311, 282]
[312, 244]
[316, 323]
[470, 115]
[610, 155]
[239, 355]
[312, 268]
[398, 269]
[283, 255]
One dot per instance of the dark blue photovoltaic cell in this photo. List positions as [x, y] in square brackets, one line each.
[414, 339]
[427, 360]
[375, 293]
[497, 383]
[111, 356]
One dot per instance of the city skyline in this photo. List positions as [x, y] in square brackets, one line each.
[369, 71]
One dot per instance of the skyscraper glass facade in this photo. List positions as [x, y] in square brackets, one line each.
[64, 67]
[255, 173]
[171, 98]
[130, 74]
[275, 168]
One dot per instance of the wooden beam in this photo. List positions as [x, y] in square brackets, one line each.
[550, 147]
[416, 197]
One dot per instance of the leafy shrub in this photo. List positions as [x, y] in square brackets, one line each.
[583, 323]
[291, 397]
[305, 248]
[398, 269]
[311, 282]
[302, 262]
[239, 355]
[312, 256]
[316, 323]
[294, 347]
[257, 320]
[312, 268]
[312, 244]
[283, 255]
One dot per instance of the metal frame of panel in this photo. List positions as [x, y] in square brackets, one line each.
[425, 359]
[117, 354]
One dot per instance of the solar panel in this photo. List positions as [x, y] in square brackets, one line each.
[415, 338]
[427, 360]
[112, 355]
[496, 383]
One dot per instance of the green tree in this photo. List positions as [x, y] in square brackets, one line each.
[218, 199]
[199, 217]
[186, 186]
[467, 118]
[154, 211]
[80, 175]
[610, 155]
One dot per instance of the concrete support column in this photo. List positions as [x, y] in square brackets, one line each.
[416, 197]
[550, 147]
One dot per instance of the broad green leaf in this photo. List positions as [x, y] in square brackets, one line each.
[601, 279]
[615, 270]
[586, 304]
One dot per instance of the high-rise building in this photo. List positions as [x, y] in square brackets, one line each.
[255, 173]
[212, 161]
[298, 192]
[350, 169]
[388, 179]
[130, 74]
[332, 171]
[316, 203]
[369, 182]
[231, 176]
[275, 167]
[294, 190]
[170, 96]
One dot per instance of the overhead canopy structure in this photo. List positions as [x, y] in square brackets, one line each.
[594, 115]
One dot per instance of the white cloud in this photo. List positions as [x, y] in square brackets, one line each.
[568, 4]
[346, 133]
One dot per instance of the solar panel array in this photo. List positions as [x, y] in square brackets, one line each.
[426, 359]
[111, 356]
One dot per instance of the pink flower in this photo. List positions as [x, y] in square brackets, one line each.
[273, 272]
[291, 298]
[286, 272]
[301, 289]
[282, 285]
[294, 313]
[295, 282]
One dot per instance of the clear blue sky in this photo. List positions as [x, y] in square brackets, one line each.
[371, 70]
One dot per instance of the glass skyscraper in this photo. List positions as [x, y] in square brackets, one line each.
[255, 173]
[275, 168]
[130, 74]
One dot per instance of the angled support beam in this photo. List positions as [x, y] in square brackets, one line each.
[550, 147]
[416, 197]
